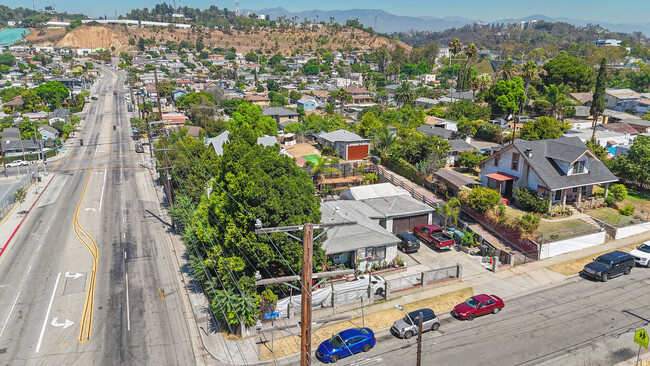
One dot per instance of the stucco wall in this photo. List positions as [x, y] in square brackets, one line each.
[565, 246]
[624, 232]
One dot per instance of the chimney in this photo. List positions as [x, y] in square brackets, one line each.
[529, 152]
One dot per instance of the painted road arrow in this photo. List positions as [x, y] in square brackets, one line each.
[74, 275]
[64, 325]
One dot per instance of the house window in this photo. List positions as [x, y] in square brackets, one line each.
[496, 160]
[574, 190]
[583, 189]
[515, 161]
[579, 167]
[370, 252]
[558, 195]
[380, 253]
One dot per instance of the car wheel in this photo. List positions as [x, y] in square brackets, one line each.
[604, 277]
[496, 310]
[334, 358]
[408, 335]
[367, 348]
[471, 317]
[380, 291]
[435, 326]
[627, 270]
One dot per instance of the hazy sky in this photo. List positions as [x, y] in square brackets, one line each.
[592, 10]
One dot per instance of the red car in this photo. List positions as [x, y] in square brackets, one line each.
[478, 305]
[434, 235]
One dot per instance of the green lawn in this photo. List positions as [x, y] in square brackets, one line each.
[312, 158]
[610, 216]
[483, 67]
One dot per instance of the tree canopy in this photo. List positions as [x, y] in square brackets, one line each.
[570, 71]
[543, 128]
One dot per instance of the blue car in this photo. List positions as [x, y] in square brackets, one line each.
[346, 343]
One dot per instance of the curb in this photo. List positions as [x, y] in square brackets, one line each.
[25, 216]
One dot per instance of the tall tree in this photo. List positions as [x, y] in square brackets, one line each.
[404, 94]
[471, 52]
[554, 101]
[507, 70]
[598, 101]
[455, 47]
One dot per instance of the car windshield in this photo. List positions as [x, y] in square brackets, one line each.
[336, 341]
[407, 320]
[471, 302]
[644, 248]
[602, 262]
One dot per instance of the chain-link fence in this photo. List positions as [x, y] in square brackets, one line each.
[7, 200]
[574, 232]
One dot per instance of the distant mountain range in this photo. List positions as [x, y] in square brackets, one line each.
[390, 23]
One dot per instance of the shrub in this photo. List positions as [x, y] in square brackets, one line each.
[529, 223]
[528, 200]
[628, 210]
[482, 199]
[618, 191]
[610, 201]
[329, 151]
[467, 239]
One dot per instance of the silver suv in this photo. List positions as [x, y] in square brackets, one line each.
[407, 327]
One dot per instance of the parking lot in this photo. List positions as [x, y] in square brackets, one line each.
[427, 258]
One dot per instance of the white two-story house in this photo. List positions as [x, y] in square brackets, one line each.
[563, 169]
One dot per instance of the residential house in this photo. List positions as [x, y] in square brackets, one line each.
[431, 130]
[457, 146]
[641, 125]
[350, 146]
[282, 116]
[359, 245]
[151, 91]
[425, 103]
[604, 138]
[359, 95]
[620, 99]
[392, 207]
[178, 93]
[217, 142]
[260, 100]
[48, 132]
[307, 104]
[584, 99]
[173, 118]
[61, 115]
[441, 122]
[563, 169]
[455, 180]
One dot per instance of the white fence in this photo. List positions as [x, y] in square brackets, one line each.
[624, 232]
[569, 245]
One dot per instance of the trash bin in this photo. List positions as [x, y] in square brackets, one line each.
[81, 142]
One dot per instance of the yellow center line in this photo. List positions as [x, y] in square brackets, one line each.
[85, 327]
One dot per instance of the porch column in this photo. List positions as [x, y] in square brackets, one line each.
[563, 198]
[579, 194]
[606, 190]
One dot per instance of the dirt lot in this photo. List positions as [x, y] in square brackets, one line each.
[302, 149]
[243, 41]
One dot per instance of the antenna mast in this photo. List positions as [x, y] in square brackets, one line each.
[237, 8]
[34, 4]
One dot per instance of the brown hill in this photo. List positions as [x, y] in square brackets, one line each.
[273, 40]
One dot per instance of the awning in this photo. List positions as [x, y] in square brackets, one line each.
[501, 177]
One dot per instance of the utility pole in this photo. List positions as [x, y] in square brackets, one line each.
[4, 164]
[306, 277]
[419, 356]
[170, 196]
[305, 316]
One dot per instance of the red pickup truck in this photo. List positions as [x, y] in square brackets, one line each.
[433, 235]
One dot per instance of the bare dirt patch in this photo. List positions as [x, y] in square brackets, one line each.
[302, 149]
[575, 266]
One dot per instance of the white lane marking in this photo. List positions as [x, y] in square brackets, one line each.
[124, 254]
[47, 314]
[101, 199]
[74, 276]
[10, 311]
[66, 324]
[128, 312]
[29, 269]
[39, 247]
[124, 236]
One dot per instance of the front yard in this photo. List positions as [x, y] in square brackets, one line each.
[612, 216]
[555, 229]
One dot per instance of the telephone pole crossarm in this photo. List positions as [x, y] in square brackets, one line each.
[282, 229]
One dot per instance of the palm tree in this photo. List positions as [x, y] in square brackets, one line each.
[329, 109]
[529, 71]
[471, 52]
[507, 70]
[384, 139]
[455, 47]
[483, 82]
[556, 100]
[342, 96]
[404, 94]
[382, 97]
[321, 168]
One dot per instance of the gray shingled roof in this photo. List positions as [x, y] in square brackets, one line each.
[341, 135]
[459, 145]
[435, 131]
[218, 142]
[455, 179]
[565, 149]
[278, 111]
[397, 206]
[365, 233]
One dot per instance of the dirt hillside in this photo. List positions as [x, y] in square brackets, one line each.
[243, 41]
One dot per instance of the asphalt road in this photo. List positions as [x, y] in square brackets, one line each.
[89, 278]
[580, 322]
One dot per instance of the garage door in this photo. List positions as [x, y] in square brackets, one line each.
[405, 224]
[357, 152]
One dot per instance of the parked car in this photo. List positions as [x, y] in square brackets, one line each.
[478, 305]
[409, 243]
[94, 97]
[609, 265]
[642, 254]
[114, 93]
[16, 163]
[346, 343]
[139, 148]
[378, 283]
[434, 235]
[407, 326]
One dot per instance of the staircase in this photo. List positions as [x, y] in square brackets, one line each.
[590, 220]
